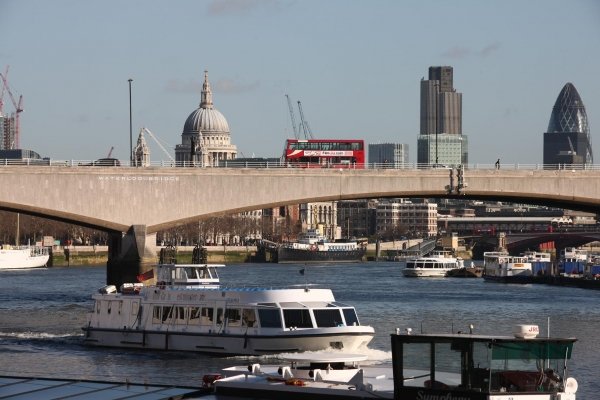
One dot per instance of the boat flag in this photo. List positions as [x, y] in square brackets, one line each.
[146, 275]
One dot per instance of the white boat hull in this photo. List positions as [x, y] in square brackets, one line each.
[22, 259]
[239, 344]
[425, 273]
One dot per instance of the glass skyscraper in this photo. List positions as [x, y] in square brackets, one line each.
[567, 140]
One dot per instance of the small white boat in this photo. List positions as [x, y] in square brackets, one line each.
[188, 310]
[438, 264]
[499, 266]
[457, 366]
[23, 257]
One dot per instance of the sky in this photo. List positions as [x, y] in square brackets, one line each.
[354, 65]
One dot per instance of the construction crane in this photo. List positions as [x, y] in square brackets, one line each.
[296, 132]
[110, 151]
[307, 132]
[18, 109]
[157, 142]
[2, 95]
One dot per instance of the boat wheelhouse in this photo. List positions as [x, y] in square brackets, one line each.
[424, 366]
[438, 264]
[188, 310]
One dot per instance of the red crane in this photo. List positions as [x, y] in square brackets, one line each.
[18, 108]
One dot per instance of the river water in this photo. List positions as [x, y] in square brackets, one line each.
[42, 312]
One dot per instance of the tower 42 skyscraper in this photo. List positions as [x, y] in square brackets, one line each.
[441, 140]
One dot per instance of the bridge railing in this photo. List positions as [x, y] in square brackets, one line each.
[279, 164]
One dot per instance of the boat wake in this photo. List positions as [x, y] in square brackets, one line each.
[374, 356]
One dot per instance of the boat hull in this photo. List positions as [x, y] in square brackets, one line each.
[227, 344]
[524, 279]
[22, 259]
[424, 273]
[292, 255]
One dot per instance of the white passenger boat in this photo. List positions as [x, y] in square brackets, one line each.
[438, 264]
[188, 310]
[499, 266]
[457, 366]
[23, 257]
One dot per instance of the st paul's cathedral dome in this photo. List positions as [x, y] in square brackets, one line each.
[205, 140]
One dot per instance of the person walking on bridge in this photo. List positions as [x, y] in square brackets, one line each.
[498, 164]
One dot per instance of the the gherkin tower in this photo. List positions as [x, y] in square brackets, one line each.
[567, 140]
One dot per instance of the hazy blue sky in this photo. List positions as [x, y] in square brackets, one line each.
[355, 65]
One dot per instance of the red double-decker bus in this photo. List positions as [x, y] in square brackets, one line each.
[325, 153]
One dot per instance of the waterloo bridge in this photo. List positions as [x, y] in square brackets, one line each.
[132, 204]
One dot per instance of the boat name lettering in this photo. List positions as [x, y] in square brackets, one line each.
[447, 396]
[140, 178]
[189, 297]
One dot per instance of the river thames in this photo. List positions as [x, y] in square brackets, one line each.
[42, 312]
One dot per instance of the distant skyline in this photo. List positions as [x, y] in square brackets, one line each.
[356, 67]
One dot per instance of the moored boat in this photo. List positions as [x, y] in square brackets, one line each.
[504, 268]
[312, 247]
[438, 264]
[23, 257]
[189, 310]
[459, 366]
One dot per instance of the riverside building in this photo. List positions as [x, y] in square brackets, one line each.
[441, 140]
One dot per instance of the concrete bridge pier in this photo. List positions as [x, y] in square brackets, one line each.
[129, 255]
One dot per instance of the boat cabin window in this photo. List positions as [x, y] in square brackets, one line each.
[269, 317]
[135, 307]
[248, 317]
[179, 315]
[290, 304]
[219, 316]
[213, 273]
[194, 316]
[328, 318]
[350, 316]
[297, 318]
[165, 313]
[206, 316]
[233, 317]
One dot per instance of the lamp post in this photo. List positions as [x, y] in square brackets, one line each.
[130, 127]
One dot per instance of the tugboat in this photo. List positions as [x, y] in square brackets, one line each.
[188, 310]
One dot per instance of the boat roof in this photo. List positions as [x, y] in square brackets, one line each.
[48, 388]
[191, 265]
[429, 337]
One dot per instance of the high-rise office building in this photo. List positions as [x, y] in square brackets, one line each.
[388, 155]
[567, 140]
[441, 140]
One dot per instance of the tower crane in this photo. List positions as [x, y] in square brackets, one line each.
[18, 108]
[307, 132]
[2, 95]
[296, 132]
[157, 142]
